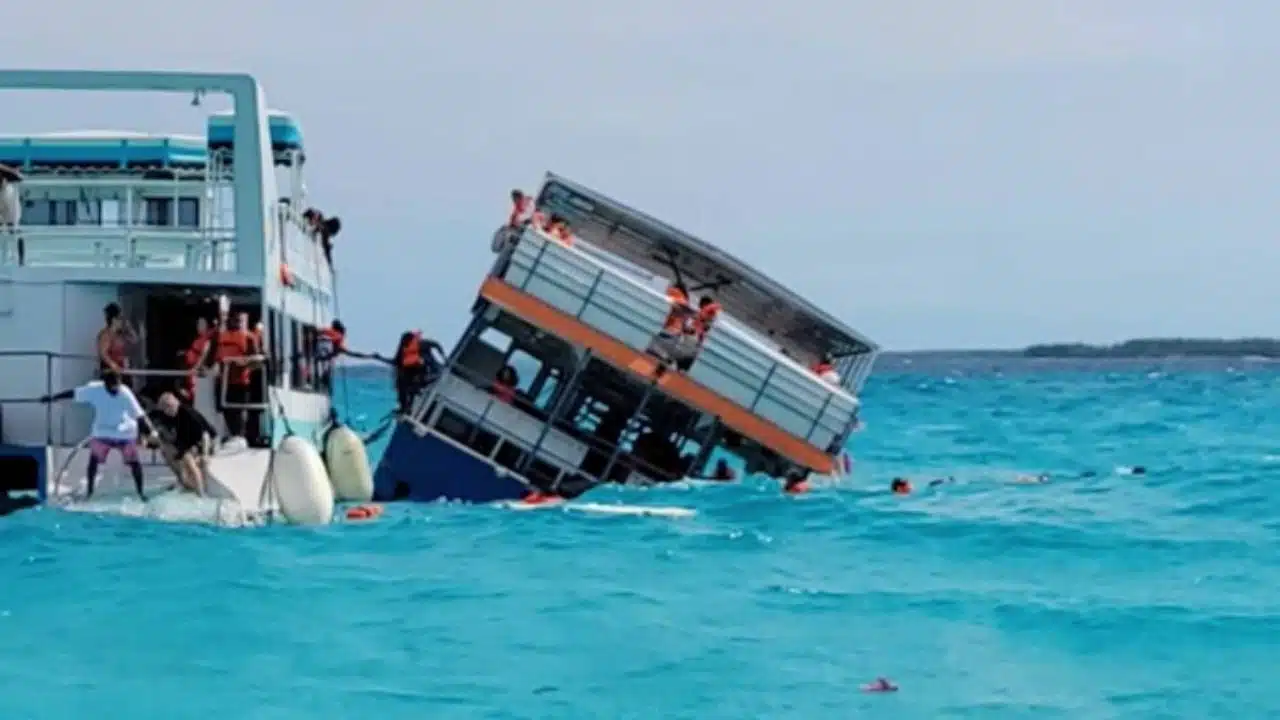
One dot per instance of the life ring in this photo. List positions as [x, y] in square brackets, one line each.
[364, 512]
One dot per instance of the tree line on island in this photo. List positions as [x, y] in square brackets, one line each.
[1161, 347]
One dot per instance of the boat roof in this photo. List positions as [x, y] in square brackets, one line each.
[746, 293]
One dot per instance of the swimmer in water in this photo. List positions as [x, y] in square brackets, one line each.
[900, 486]
[880, 685]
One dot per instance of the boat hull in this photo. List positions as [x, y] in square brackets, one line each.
[425, 467]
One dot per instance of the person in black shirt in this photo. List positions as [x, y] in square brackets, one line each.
[188, 439]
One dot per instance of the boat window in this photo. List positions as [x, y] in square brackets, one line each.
[63, 212]
[110, 212]
[496, 339]
[188, 212]
[37, 212]
[158, 212]
[88, 212]
[527, 368]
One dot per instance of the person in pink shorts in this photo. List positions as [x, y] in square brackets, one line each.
[116, 418]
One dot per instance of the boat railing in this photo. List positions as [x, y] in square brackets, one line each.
[759, 379]
[88, 246]
[553, 442]
[26, 375]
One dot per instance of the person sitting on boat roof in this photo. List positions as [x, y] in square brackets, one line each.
[505, 384]
[116, 419]
[114, 341]
[825, 368]
[558, 229]
[191, 437]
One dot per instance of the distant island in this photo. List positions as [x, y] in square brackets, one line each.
[1161, 348]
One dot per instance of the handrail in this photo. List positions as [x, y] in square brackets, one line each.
[774, 356]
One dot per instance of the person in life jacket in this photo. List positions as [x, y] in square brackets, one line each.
[558, 229]
[796, 482]
[194, 359]
[414, 363]
[114, 341]
[504, 385]
[708, 311]
[825, 368]
[236, 354]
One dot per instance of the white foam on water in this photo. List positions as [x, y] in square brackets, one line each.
[174, 506]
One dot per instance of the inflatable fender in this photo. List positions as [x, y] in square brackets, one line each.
[348, 464]
[301, 483]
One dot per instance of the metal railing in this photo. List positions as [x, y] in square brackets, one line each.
[436, 403]
[729, 361]
[87, 246]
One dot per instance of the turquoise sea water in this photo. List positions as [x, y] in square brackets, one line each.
[1116, 596]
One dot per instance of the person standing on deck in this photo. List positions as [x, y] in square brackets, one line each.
[115, 340]
[235, 354]
[194, 358]
[116, 418]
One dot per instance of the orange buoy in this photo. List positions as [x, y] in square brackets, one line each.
[364, 512]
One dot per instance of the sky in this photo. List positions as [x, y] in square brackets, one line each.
[937, 173]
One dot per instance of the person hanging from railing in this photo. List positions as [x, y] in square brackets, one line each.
[190, 440]
[236, 355]
[323, 230]
[676, 341]
[114, 342]
[416, 362]
[117, 416]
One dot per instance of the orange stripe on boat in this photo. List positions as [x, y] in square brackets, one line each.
[673, 383]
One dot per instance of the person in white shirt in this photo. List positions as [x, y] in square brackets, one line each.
[116, 418]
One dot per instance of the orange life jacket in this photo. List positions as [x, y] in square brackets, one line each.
[331, 344]
[560, 232]
[195, 352]
[235, 344]
[503, 392]
[681, 315]
[706, 315]
[411, 352]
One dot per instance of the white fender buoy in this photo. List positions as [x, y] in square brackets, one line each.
[348, 465]
[301, 483]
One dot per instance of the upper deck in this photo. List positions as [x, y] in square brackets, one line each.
[756, 301]
[611, 304]
[220, 208]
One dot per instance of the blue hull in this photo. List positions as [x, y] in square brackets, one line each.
[18, 464]
[426, 468]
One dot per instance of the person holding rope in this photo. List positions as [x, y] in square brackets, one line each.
[117, 416]
[190, 440]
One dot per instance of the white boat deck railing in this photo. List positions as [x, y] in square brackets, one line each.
[730, 362]
[87, 246]
[26, 375]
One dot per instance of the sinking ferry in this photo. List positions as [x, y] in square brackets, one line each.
[174, 231]
[574, 370]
